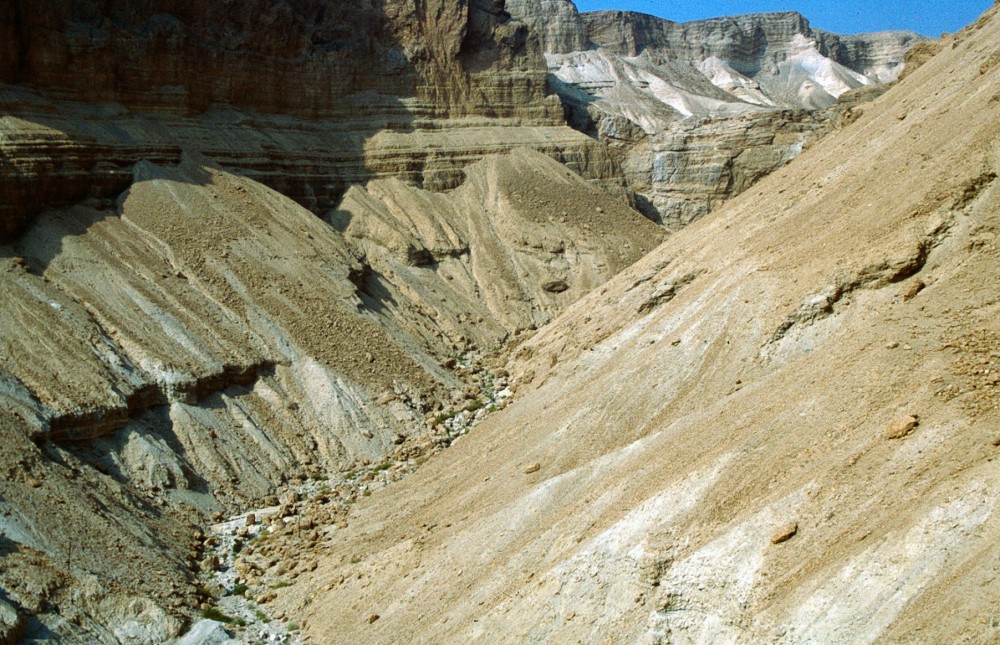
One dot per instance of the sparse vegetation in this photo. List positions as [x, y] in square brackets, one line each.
[214, 613]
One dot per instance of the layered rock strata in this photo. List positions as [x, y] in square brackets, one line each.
[451, 57]
[643, 85]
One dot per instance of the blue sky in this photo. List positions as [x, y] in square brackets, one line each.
[928, 17]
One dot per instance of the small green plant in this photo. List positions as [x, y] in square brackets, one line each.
[475, 405]
[239, 590]
[442, 418]
[293, 627]
[385, 465]
[281, 584]
[214, 613]
[237, 546]
[261, 616]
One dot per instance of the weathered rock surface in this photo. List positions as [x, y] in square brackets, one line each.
[194, 313]
[309, 57]
[204, 338]
[60, 152]
[699, 111]
[753, 391]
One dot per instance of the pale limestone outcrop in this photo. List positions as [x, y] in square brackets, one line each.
[687, 104]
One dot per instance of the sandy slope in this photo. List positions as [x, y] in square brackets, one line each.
[747, 375]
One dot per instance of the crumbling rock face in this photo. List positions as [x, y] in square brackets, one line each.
[451, 57]
[58, 152]
[557, 22]
[643, 84]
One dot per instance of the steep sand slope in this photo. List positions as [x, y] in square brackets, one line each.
[747, 383]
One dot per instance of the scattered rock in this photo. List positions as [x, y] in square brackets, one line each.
[556, 286]
[251, 519]
[901, 427]
[533, 468]
[211, 563]
[784, 533]
[996, 442]
[373, 618]
[12, 624]
[915, 287]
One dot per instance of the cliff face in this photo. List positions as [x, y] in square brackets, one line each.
[642, 84]
[451, 56]
[557, 22]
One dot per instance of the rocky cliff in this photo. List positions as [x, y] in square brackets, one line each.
[642, 84]
[449, 57]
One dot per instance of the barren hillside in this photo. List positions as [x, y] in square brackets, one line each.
[780, 426]
[319, 323]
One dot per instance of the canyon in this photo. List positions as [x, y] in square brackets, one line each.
[493, 322]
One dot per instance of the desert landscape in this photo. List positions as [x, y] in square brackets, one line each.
[480, 321]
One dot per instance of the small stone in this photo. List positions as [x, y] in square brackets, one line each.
[996, 442]
[216, 517]
[892, 345]
[556, 286]
[784, 533]
[901, 427]
[915, 287]
[251, 519]
[373, 618]
[533, 468]
[211, 563]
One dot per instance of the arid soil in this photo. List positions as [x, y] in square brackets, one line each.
[780, 426]
[394, 358]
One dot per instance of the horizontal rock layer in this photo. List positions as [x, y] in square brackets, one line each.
[305, 57]
[56, 153]
[701, 110]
